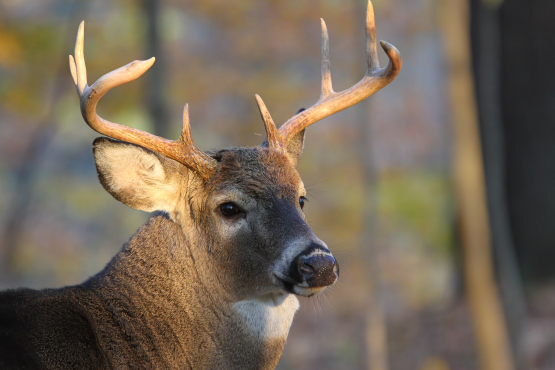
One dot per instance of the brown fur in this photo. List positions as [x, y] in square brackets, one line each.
[169, 299]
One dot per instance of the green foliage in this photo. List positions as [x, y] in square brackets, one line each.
[420, 202]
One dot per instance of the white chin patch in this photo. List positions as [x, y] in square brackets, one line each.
[307, 292]
[268, 317]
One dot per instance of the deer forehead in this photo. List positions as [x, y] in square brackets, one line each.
[256, 172]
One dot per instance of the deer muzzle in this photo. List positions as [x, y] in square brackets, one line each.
[313, 270]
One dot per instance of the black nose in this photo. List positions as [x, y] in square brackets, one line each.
[317, 268]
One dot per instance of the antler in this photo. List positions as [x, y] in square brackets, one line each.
[183, 150]
[331, 102]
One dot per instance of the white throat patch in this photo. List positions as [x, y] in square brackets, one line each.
[269, 317]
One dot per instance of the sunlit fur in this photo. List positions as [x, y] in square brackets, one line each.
[192, 288]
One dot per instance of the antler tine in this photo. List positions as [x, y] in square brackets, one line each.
[183, 151]
[331, 102]
[371, 50]
[73, 70]
[394, 64]
[274, 138]
[186, 136]
[81, 76]
[327, 88]
[193, 157]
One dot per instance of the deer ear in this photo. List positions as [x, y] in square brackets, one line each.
[136, 176]
[295, 147]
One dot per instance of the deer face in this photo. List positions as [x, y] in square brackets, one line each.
[247, 219]
[255, 205]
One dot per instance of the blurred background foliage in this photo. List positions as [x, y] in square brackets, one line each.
[379, 175]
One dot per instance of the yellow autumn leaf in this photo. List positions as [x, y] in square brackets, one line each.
[10, 50]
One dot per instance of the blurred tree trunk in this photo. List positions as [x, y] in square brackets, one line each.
[30, 160]
[481, 287]
[25, 175]
[375, 325]
[156, 77]
[486, 52]
[375, 321]
[527, 102]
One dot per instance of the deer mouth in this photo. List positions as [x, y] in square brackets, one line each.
[308, 292]
[285, 283]
[292, 287]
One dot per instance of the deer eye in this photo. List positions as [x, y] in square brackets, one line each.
[301, 202]
[229, 209]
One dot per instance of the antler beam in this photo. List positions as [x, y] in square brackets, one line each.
[183, 151]
[331, 102]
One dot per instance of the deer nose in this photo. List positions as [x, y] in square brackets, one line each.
[317, 268]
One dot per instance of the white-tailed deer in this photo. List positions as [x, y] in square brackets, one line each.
[210, 281]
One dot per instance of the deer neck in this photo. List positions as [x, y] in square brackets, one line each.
[159, 264]
[158, 278]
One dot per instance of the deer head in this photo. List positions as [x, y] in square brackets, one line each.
[240, 208]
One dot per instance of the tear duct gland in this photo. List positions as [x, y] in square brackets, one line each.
[210, 282]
